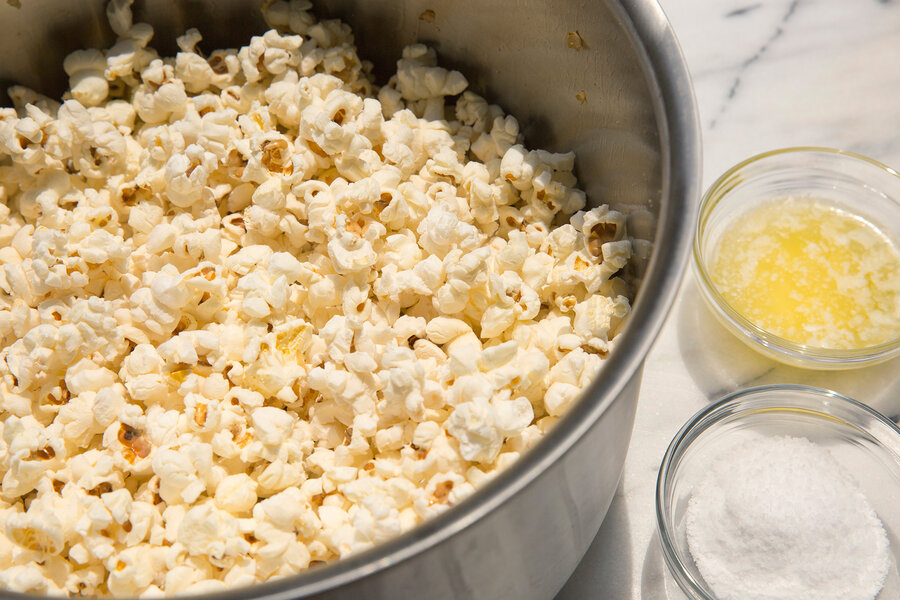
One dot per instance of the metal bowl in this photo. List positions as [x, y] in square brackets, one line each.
[636, 136]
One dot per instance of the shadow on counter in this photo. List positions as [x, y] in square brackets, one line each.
[720, 363]
[605, 570]
[657, 582]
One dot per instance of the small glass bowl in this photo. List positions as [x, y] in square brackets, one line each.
[851, 182]
[864, 442]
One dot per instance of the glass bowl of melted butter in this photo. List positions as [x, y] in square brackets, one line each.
[797, 251]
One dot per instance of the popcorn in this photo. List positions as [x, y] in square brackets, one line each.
[596, 316]
[87, 82]
[158, 104]
[418, 78]
[130, 573]
[474, 425]
[206, 531]
[441, 330]
[271, 425]
[349, 253]
[236, 493]
[177, 477]
[256, 312]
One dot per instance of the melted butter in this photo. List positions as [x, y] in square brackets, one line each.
[812, 274]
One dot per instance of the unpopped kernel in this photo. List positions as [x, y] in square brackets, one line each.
[257, 313]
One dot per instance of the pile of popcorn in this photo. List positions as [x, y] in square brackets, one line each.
[257, 313]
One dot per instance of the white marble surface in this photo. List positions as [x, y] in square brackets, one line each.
[767, 74]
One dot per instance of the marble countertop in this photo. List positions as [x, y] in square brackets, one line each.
[767, 74]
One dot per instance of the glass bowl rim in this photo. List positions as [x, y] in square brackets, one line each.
[710, 416]
[792, 352]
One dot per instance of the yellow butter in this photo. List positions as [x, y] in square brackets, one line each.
[810, 273]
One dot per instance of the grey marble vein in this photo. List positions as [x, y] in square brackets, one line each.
[757, 55]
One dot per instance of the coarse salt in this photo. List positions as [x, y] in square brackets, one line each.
[778, 518]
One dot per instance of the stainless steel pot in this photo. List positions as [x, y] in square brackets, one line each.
[636, 135]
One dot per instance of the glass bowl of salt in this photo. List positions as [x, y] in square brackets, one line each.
[783, 492]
